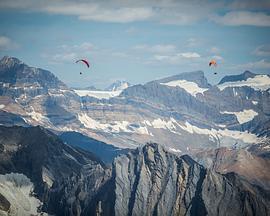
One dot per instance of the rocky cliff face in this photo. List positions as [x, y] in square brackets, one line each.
[65, 179]
[235, 78]
[146, 181]
[15, 73]
[184, 111]
[151, 181]
[246, 162]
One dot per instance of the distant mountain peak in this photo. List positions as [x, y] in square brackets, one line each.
[9, 61]
[16, 72]
[234, 78]
[118, 85]
[194, 76]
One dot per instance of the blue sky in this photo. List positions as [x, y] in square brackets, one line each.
[137, 41]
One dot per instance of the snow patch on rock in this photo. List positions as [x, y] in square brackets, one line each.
[113, 127]
[18, 191]
[98, 94]
[243, 116]
[255, 102]
[259, 83]
[222, 134]
[190, 87]
[175, 150]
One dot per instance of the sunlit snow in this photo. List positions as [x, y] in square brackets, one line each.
[98, 94]
[17, 190]
[243, 116]
[114, 127]
[259, 82]
[191, 87]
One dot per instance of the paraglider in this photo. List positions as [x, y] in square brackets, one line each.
[213, 63]
[83, 61]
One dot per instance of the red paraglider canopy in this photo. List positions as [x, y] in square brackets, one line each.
[84, 61]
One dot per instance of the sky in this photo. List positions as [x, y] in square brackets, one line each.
[137, 41]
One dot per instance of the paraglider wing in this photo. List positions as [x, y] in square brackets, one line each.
[84, 61]
[212, 62]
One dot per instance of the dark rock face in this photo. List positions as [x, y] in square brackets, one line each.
[8, 119]
[15, 72]
[195, 76]
[234, 78]
[146, 181]
[151, 181]
[65, 179]
[249, 163]
[177, 100]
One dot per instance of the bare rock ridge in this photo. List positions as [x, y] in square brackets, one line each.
[15, 72]
[146, 181]
[151, 181]
[240, 77]
[65, 179]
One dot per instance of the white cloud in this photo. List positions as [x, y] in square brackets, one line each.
[192, 42]
[69, 53]
[121, 15]
[190, 55]
[7, 44]
[182, 12]
[94, 11]
[238, 18]
[159, 48]
[163, 53]
[262, 64]
[64, 57]
[176, 59]
[263, 50]
[250, 4]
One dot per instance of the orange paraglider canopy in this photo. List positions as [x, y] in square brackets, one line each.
[212, 63]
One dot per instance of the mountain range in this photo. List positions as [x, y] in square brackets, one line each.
[45, 174]
[85, 154]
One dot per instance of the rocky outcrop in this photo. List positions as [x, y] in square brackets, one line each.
[151, 181]
[142, 113]
[14, 72]
[145, 181]
[247, 163]
[234, 78]
[66, 180]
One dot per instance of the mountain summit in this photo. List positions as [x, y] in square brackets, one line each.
[194, 76]
[8, 61]
[118, 85]
[239, 77]
[16, 73]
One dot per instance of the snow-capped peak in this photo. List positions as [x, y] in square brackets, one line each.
[118, 85]
[258, 82]
[240, 77]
